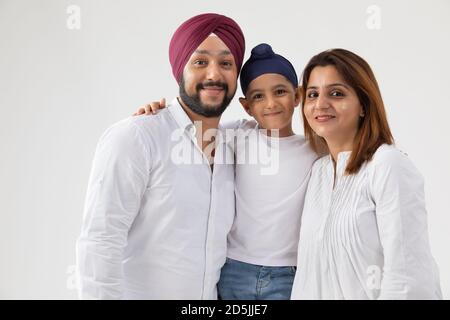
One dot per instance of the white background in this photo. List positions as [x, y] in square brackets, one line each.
[61, 88]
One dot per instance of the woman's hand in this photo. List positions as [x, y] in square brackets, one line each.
[151, 108]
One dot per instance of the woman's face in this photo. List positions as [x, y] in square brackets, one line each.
[331, 106]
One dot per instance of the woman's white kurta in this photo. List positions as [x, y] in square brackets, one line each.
[366, 237]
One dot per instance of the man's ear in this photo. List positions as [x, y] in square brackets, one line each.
[246, 106]
[298, 95]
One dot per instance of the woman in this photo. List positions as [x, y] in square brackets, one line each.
[364, 225]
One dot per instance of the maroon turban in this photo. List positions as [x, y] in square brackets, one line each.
[194, 31]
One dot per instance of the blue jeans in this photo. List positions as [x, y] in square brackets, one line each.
[245, 281]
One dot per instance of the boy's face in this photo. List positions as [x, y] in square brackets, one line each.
[271, 100]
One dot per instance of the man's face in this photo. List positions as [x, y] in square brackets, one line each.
[209, 78]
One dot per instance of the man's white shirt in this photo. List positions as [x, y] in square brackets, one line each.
[156, 215]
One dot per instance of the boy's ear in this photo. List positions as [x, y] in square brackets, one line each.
[246, 106]
[298, 95]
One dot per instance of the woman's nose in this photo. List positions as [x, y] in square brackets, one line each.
[322, 102]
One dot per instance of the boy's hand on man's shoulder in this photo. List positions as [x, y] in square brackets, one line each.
[151, 108]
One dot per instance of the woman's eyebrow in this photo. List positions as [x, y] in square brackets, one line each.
[338, 85]
[331, 85]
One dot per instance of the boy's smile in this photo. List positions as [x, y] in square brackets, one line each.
[271, 100]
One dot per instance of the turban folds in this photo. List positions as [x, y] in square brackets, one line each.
[194, 31]
[263, 60]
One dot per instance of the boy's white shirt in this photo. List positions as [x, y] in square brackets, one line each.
[272, 175]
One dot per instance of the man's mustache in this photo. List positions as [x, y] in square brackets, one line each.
[216, 84]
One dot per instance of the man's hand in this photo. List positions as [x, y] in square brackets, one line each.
[151, 108]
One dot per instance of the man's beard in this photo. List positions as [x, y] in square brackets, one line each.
[195, 104]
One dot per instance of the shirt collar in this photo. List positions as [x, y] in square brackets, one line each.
[185, 123]
[341, 163]
[180, 115]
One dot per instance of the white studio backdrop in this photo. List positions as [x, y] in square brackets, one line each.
[70, 69]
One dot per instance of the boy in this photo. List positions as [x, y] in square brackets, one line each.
[262, 243]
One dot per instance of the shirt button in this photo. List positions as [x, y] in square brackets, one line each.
[192, 130]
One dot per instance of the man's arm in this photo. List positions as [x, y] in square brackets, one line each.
[117, 183]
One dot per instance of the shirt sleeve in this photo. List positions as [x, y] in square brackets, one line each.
[398, 192]
[117, 183]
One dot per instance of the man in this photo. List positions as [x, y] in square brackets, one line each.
[159, 205]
